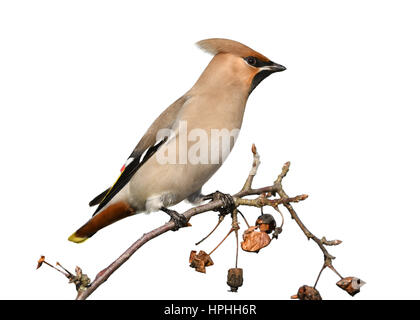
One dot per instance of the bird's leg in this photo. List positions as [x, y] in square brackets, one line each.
[227, 199]
[179, 219]
[196, 197]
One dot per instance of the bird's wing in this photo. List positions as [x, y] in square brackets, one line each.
[147, 146]
[97, 200]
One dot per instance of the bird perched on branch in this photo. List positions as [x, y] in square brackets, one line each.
[182, 148]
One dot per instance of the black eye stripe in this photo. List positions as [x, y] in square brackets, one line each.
[255, 62]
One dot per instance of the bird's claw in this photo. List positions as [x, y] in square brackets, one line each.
[179, 219]
[228, 202]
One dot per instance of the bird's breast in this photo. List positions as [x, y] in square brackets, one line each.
[214, 110]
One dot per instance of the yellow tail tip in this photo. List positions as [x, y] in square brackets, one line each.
[77, 239]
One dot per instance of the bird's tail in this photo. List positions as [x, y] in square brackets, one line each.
[107, 216]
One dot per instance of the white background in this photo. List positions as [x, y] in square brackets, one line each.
[81, 81]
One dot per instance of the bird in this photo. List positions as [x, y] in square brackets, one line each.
[158, 174]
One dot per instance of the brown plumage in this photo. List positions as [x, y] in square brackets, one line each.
[217, 45]
[109, 215]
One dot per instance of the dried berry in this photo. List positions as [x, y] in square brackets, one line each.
[266, 223]
[307, 293]
[351, 285]
[200, 261]
[254, 240]
[235, 279]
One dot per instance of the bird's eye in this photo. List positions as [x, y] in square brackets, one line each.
[252, 61]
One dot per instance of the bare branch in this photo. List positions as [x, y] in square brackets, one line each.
[255, 164]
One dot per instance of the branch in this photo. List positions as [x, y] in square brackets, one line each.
[265, 197]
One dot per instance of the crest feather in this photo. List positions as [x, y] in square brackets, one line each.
[218, 45]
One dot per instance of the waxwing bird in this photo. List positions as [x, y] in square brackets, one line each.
[178, 153]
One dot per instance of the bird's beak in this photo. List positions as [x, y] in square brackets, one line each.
[275, 67]
[264, 72]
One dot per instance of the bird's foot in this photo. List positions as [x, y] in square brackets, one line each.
[227, 200]
[179, 219]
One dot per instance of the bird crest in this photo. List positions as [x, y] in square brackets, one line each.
[218, 45]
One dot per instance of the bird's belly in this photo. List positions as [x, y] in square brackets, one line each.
[162, 185]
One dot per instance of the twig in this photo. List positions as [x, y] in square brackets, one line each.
[243, 217]
[230, 231]
[320, 242]
[319, 275]
[221, 217]
[255, 164]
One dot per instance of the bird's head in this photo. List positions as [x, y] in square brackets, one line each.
[237, 64]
